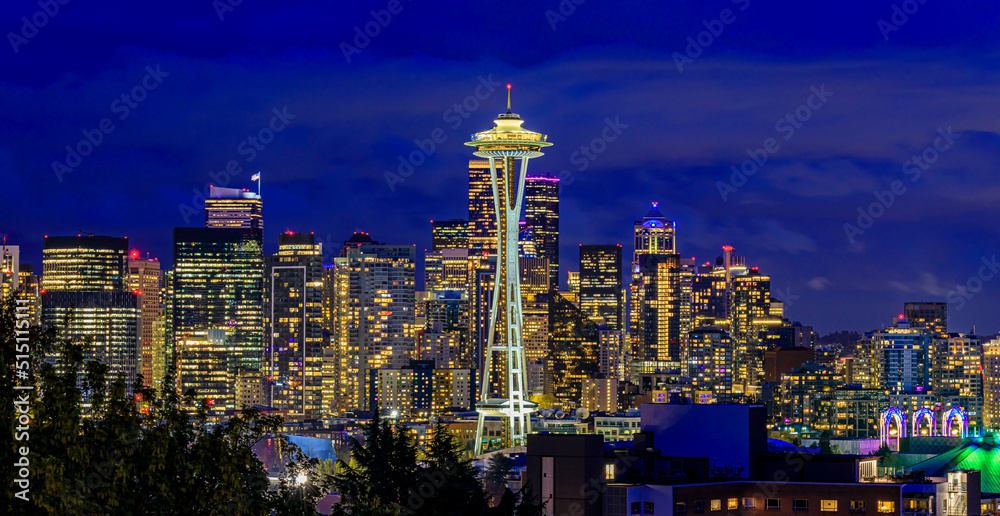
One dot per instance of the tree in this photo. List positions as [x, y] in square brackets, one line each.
[824, 442]
[381, 471]
[449, 478]
[495, 477]
[93, 451]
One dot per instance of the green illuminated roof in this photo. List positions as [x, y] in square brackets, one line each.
[982, 456]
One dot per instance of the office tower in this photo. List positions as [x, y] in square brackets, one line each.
[144, 279]
[574, 352]
[957, 374]
[85, 263]
[86, 276]
[217, 309]
[573, 281]
[932, 316]
[374, 317]
[654, 234]
[611, 353]
[447, 326]
[749, 302]
[358, 239]
[601, 284]
[449, 234]
[482, 214]
[901, 358]
[420, 389]
[30, 286]
[991, 384]
[233, 208]
[541, 213]
[107, 321]
[709, 363]
[526, 241]
[294, 312]
[446, 269]
[509, 144]
[10, 269]
[656, 307]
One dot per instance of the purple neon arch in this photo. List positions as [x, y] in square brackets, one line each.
[888, 415]
[949, 416]
[920, 415]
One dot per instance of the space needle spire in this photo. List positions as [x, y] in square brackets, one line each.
[503, 391]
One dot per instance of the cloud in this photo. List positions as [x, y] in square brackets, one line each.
[818, 283]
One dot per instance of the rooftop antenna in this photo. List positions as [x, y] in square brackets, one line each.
[508, 99]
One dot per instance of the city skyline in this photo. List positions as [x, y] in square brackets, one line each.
[788, 218]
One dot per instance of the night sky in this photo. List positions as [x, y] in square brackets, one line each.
[577, 70]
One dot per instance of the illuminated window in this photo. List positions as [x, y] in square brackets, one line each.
[733, 504]
[800, 505]
[828, 505]
[889, 506]
[749, 503]
[716, 505]
[857, 506]
[609, 472]
[772, 504]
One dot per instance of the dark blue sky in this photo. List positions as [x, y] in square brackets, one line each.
[681, 131]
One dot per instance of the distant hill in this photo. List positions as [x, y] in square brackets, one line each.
[841, 338]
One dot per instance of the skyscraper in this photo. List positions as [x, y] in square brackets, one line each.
[449, 234]
[374, 317]
[509, 144]
[10, 268]
[656, 307]
[218, 284]
[233, 208]
[749, 303]
[85, 263]
[446, 269]
[654, 234]
[294, 313]
[901, 358]
[482, 215]
[991, 384]
[144, 279]
[541, 212]
[932, 316]
[601, 284]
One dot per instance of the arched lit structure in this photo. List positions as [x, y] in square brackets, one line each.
[919, 416]
[888, 415]
[949, 416]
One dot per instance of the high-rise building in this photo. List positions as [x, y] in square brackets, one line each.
[710, 364]
[420, 389]
[932, 316]
[512, 145]
[657, 310]
[991, 384]
[901, 358]
[85, 292]
[10, 269]
[957, 374]
[654, 234]
[601, 284]
[358, 239]
[749, 302]
[233, 208]
[374, 317]
[612, 353]
[446, 269]
[574, 352]
[85, 263]
[573, 281]
[218, 284]
[482, 215]
[145, 280]
[449, 234]
[541, 212]
[294, 312]
[805, 393]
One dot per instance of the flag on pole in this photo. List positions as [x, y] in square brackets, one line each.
[255, 177]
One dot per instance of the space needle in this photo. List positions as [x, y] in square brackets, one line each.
[504, 373]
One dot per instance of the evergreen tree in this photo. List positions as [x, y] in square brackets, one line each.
[495, 477]
[381, 471]
[450, 483]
